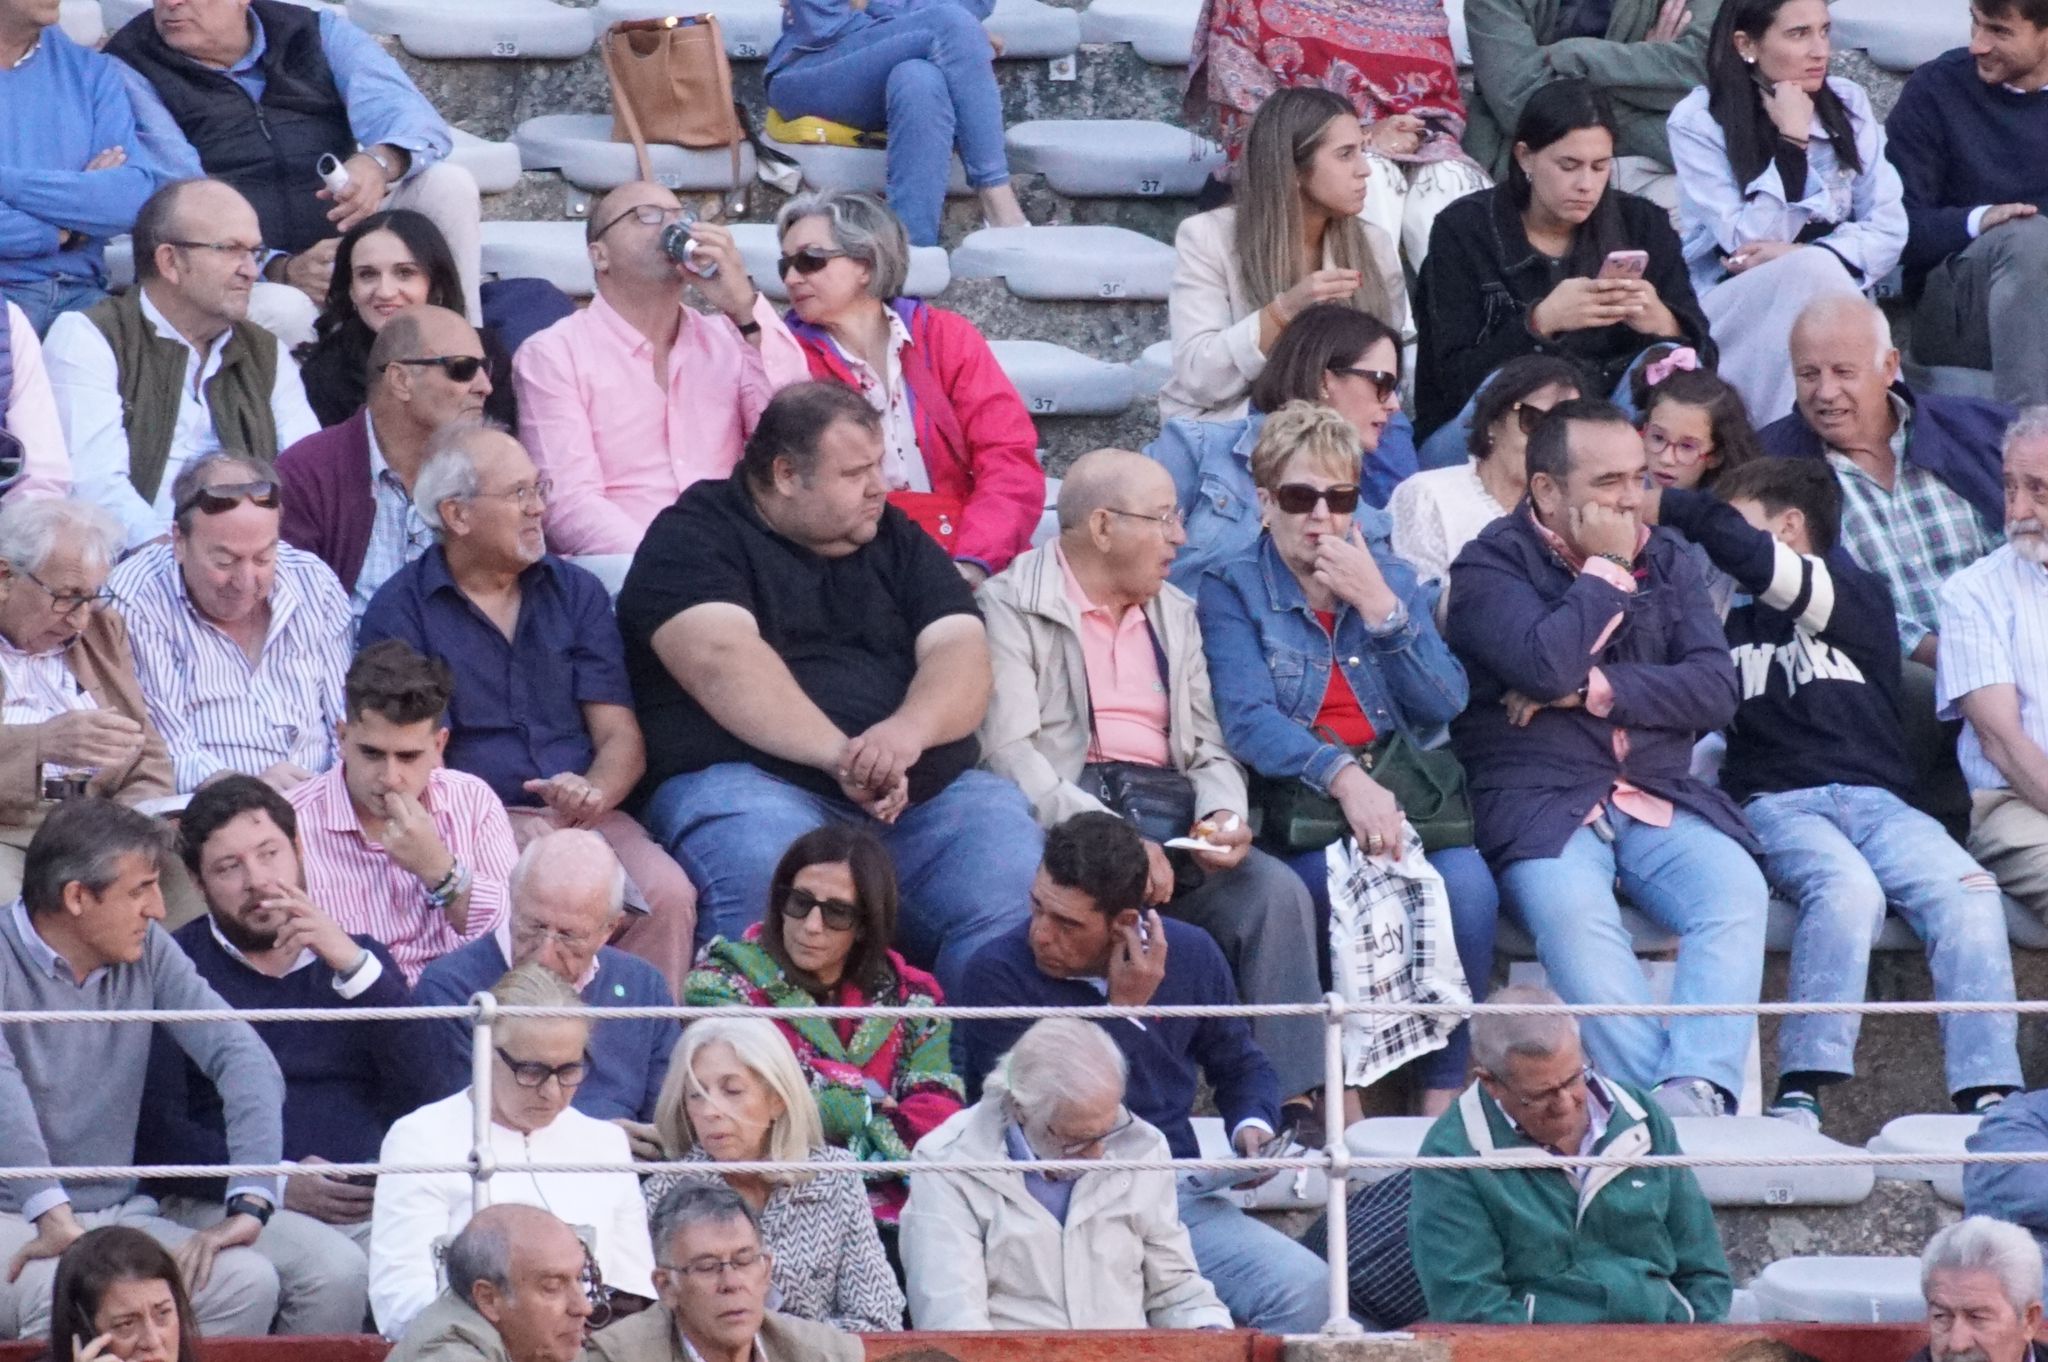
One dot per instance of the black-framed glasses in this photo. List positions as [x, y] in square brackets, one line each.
[1169, 523]
[528, 494]
[235, 250]
[1300, 498]
[1068, 1146]
[807, 261]
[646, 214]
[839, 915]
[214, 498]
[709, 1269]
[1383, 383]
[1528, 416]
[71, 602]
[531, 1073]
[460, 368]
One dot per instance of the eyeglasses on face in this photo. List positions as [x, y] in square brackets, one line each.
[1383, 383]
[1299, 498]
[1687, 452]
[707, 1269]
[460, 368]
[529, 1073]
[1170, 523]
[1551, 1096]
[529, 495]
[808, 260]
[646, 214]
[216, 497]
[839, 915]
[534, 934]
[234, 251]
[71, 602]
[1068, 1146]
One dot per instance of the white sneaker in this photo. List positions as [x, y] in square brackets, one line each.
[1801, 1109]
[1689, 1097]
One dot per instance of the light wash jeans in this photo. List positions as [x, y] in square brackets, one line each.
[1268, 1281]
[47, 299]
[1841, 853]
[965, 858]
[927, 75]
[1692, 880]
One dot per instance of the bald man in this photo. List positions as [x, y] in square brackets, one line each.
[619, 448]
[568, 899]
[173, 369]
[1098, 660]
[515, 1294]
[348, 489]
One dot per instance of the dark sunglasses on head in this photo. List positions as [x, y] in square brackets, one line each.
[460, 368]
[809, 260]
[839, 915]
[1528, 417]
[1298, 498]
[1383, 383]
[217, 497]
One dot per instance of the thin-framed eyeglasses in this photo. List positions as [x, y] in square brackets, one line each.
[531, 1073]
[234, 250]
[1070, 1146]
[708, 1269]
[1383, 383]
[1170, 523]
[1550, 1096]
[1687, 452]
[529, 495]
[839, 915]
[71, 602]
[646, 214]
[532, 933]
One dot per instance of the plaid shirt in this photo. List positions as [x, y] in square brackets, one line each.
[1915, 536]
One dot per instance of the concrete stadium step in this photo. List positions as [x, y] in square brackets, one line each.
[1068, 263]
[1845, 1290]
[832, 167]
[929, 274]
[1113, 157]
[749, 27]
[1154, 367]
[495, 165]
[553, 251]
[1057, 381]
[1304, 1189]
[502, 30]
[1730, 1137]
[1461, 45]
[1384, 1137]
[1900, 34]
[609, 568]
[1032, 30]
[1048, 523]
[82, 21]
[1160, 31]
[1920, 1136]
[580, 146]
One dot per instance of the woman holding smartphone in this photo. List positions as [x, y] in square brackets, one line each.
[1784, 192]
[1556, 261]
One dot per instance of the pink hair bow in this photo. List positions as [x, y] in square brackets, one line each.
[1681, 359]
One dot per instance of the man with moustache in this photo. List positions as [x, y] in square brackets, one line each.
[1993, 675]
[265, 944]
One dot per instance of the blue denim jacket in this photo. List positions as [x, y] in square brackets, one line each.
[1211, 464]
[1269, 663]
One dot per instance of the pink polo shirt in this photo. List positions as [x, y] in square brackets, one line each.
[621, 447]
[1124, 683]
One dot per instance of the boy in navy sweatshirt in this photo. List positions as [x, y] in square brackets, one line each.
[1816, 756]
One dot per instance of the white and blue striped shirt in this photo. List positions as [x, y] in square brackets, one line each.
[1994, 632]
[215, 711]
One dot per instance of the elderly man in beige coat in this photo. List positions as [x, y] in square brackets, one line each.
[1024, 1250]
[515, 1294]
[1099, 669]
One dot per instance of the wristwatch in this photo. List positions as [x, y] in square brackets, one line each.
[749, 327]
[392, 173]
[243, 1204]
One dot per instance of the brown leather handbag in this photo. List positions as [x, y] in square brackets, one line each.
[671, 83]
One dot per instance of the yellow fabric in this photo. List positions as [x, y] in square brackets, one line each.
[820, 132]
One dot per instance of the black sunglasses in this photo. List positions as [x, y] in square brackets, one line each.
[1383, 383]
[839, 915]
[1528, 417]
[1298, 498]
[809, 260]
[460, 368]
[225, 496]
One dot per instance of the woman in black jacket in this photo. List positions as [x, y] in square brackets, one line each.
[1516, 270]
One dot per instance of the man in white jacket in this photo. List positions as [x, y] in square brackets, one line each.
[1027, 1250]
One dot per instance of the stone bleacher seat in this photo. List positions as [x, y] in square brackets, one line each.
[82, 21]
[1384, 1137]
[1461, 45]
[1302, 1189]
[496, 165]
[1900, 34]
[1113, 157]
[1845, 1290]
[759, 247]
[1073, 263]
[1033, 30]
[749, 27]
[504, 29]
[553, 251]
[828, 166]
[1513, 942]
[1056, 381]
[1160, 31]
[1895, 935]
[580, 146]
[1926, 1136]
[1153, 367]
[609, 568]
[1048, 523]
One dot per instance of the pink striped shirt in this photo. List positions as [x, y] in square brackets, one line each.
[365, 891]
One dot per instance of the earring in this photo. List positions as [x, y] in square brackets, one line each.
[1749, 60]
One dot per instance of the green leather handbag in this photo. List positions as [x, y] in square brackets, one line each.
[1428, 783]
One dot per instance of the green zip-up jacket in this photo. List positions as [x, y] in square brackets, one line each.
[1525, 1245]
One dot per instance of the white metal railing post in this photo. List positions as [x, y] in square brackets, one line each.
[482, 1049]
[1336, 1213]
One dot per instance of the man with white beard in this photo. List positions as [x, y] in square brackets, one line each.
[1992, 672]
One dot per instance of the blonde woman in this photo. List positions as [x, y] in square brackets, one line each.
[1292, 238]
[735, 1093]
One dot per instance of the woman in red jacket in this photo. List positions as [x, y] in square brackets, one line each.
[960, 452]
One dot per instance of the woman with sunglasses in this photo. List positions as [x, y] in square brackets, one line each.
[1554, 262]
[735, 1093]
[1332, 354]
[960, 452]
[119, 1295]
[1320, 643]
[539, 1063]
[881, 1084]
[386, 263]
[1441, 510]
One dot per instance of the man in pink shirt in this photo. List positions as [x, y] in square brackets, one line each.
[631, 400]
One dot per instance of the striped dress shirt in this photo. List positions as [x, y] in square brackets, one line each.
[1994, 632]
[216, 711]
[367, 892]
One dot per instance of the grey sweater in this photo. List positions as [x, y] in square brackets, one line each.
[71, 1093]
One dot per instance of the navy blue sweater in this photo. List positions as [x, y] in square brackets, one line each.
[628, 1058]
[344, 1082]
[1167, 1055]
[1957, 439]
[1816, 653]
[1960, 144]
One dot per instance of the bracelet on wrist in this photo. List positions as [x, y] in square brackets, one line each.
[450, 886]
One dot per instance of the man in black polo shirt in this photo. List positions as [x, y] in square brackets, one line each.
[801, 652]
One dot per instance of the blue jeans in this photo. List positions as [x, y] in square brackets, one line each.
[928, 76]
[965, 858]
[1268, 1281]
[1692, 880]
[1840, 853]
[46, 299]
[1448, 445]
[1475, 908]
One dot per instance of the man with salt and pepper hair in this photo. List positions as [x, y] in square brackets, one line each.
[1982, 1281]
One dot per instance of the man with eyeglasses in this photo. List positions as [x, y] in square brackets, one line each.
[636, 397]
[1516, 1244]
[240, 641]
[516, 1293]
[173, 369]
[1099, 668]
[348, 489]
[542, 710]
[712, 1275]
